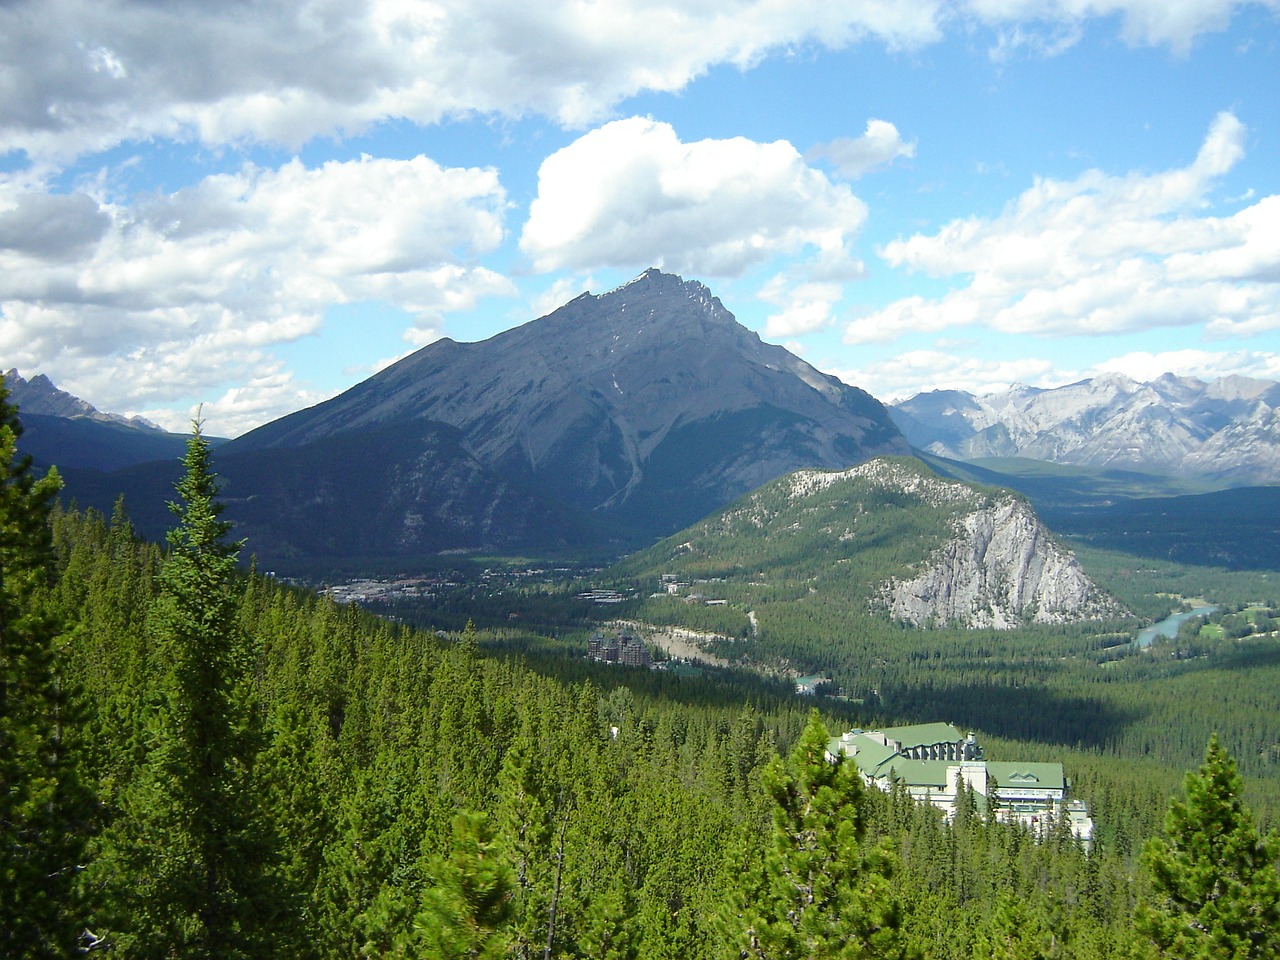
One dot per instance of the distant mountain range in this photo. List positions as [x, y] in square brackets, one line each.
[1226, 431]
[609, 423]
[62, 429]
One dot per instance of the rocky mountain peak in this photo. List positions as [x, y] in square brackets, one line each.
[648, 403]
[40, 396]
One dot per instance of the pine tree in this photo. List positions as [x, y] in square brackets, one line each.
[821, 894]
[466, 913]
[193, 860]
[44, 806]
[1215, 879]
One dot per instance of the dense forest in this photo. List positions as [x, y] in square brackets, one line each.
[198, 761]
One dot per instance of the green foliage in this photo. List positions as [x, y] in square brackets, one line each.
[190, 854]
[1216, 889]
[465, 914]
[482, 794]
[820, 894]
[45, 810]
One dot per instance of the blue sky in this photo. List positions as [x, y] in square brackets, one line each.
[253, 206]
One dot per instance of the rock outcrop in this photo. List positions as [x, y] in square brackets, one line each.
[1001, 570]
[890, 538]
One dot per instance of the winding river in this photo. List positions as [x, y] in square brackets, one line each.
[1168, 627]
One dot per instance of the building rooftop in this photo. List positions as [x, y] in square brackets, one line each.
[923, 734]
[1041, 776]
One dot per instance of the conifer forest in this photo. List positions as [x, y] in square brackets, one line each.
[198, 761]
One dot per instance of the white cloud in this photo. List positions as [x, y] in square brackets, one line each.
[241, 408]
[558, 294]
[180, 293]
[631, 194]
[1100, 254]
[806, 307]
[82, 75]
[918, 371]
[881, 144]
[78, 76]
[1050, 26]
[1202, 364]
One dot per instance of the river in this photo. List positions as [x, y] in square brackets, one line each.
[1168, 627]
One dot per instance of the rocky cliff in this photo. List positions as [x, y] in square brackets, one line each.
[890, 538]
[1002, 569]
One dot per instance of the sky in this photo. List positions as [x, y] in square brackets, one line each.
[243, 208]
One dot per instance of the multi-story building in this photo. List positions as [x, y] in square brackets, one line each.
[933, 762]
[625, 649]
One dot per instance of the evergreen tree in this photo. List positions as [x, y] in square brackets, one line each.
[465, 915]
[820, 894]
[1215, 879]
[193, 860]
[44, 807]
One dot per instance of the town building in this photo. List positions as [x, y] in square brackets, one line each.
[933, 761]
[624, 649]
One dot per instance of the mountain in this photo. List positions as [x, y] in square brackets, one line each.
[893, 539]
[63, 429]
[647, 406]
[1226, 430]
[606, 424]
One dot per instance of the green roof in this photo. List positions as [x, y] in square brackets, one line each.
[868, 754]
[1041, 776]
[923, 734]
[923, 773]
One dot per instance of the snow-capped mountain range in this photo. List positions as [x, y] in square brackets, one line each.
[1226, 430]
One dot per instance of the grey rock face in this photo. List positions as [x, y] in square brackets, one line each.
[39, 396]
[1227, 429]
[1001, 570]
[649, 404]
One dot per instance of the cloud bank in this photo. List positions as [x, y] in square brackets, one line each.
[1100, 254]
[631, 194]
[191, 287]
[79, 76]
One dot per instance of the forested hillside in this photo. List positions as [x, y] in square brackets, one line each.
[201, 763]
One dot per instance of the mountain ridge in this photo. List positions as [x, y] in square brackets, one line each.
[649, 402]
[1225, 430]
[894, 539]
[63, 429]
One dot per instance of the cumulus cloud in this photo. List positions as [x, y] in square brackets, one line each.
[558, 294]
[881, 144]
[806, 307]
[1100, 254]
[631, 194]
[167, 296]
[79, 76]
[82, 75]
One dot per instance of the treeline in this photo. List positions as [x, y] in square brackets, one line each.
[197, 762]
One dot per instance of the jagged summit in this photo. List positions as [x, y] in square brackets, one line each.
[40, 396]
[649, 403]
[1224, 430]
